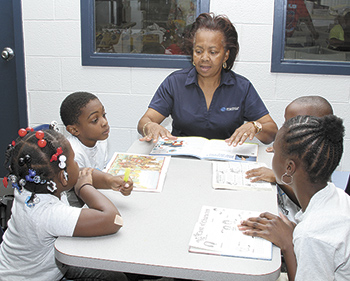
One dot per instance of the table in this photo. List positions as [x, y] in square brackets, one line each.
[158, 226]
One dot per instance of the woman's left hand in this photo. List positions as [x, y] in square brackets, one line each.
[247, 130]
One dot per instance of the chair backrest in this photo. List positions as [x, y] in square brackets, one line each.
[347, 189]
[42, 127]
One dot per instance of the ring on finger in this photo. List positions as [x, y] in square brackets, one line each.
[245, 134]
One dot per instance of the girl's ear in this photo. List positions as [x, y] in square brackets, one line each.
[63, 177]
[291, 167]
[73, 130]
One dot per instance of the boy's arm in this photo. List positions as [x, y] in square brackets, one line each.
[102, 180]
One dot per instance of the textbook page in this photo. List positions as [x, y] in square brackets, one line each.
[147, 172]
[206, 149]
[217, 233]
[232, 175]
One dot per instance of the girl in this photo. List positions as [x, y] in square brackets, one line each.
[307, 151]
[41, 168]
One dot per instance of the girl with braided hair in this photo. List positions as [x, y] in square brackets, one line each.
[307, 151]
[41, 169]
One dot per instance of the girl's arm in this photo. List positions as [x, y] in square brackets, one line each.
[102, 217]
[279, 231]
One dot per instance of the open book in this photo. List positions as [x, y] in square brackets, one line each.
[147, 172]
[206, 149]
[217, 233]
[232, 175]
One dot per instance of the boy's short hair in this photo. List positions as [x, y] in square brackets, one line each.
[71, 107]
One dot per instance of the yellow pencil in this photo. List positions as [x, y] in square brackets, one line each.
[126, 175]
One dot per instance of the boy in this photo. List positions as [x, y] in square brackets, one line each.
[307, 105]
[85, 119]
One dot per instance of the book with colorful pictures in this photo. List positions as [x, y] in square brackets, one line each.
[232, 175]
[216, 232]
[146, 171]
[203, 148]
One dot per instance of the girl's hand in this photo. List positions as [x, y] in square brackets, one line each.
[278, 230]
[85, 176]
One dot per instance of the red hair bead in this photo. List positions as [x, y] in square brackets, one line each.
[42, 143]
[39, 135]
[30, 129]
[22, 132]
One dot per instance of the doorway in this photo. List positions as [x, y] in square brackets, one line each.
[13, 112]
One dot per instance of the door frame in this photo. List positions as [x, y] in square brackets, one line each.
[20, 65]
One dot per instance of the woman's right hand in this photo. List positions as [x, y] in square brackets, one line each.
[154, 131]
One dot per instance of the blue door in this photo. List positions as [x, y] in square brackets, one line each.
[13, 111]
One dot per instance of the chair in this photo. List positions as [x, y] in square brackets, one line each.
[347, 189]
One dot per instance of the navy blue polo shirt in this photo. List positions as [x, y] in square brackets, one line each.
[234, 101]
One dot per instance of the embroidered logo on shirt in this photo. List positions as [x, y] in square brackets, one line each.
[223, 109]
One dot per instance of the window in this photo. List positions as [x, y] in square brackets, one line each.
[140, 33]
[311, 37]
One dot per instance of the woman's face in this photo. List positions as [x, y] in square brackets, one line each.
[209, 52]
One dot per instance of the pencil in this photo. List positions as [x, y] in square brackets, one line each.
[126, 175]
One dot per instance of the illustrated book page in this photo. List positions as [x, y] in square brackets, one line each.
[232, 175]
[206, 149]
[217, 233]
[147, 172]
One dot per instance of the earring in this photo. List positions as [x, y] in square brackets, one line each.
[224, 65]
[65, 175]
[193, 63]
[288, 176]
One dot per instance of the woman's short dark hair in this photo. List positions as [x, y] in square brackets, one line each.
[208, 21]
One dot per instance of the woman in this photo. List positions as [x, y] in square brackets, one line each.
[209, 99]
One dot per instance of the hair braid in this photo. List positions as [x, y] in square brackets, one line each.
[317, 141]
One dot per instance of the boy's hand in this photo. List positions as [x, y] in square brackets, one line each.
[117, 183]
[261, 174]
[85, 176]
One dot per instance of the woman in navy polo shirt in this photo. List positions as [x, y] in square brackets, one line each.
[208, 99]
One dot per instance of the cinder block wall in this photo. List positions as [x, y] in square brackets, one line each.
[53, 69]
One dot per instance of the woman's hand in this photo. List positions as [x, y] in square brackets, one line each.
[261, 174]
[247, 130]
[154, 131]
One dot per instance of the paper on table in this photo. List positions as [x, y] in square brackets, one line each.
[146, 171]
[217, 233]
[232, 175]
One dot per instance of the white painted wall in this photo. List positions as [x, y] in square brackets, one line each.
[53, 69]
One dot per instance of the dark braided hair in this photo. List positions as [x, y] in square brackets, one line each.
[316, 141]
[208, 21]
[26, 154]
[72, 105]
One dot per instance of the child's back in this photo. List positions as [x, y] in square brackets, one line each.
[31, 235]
[321, 237]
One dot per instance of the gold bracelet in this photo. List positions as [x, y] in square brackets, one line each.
[144, 127]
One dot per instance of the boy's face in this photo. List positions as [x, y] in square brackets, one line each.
[93, 124]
